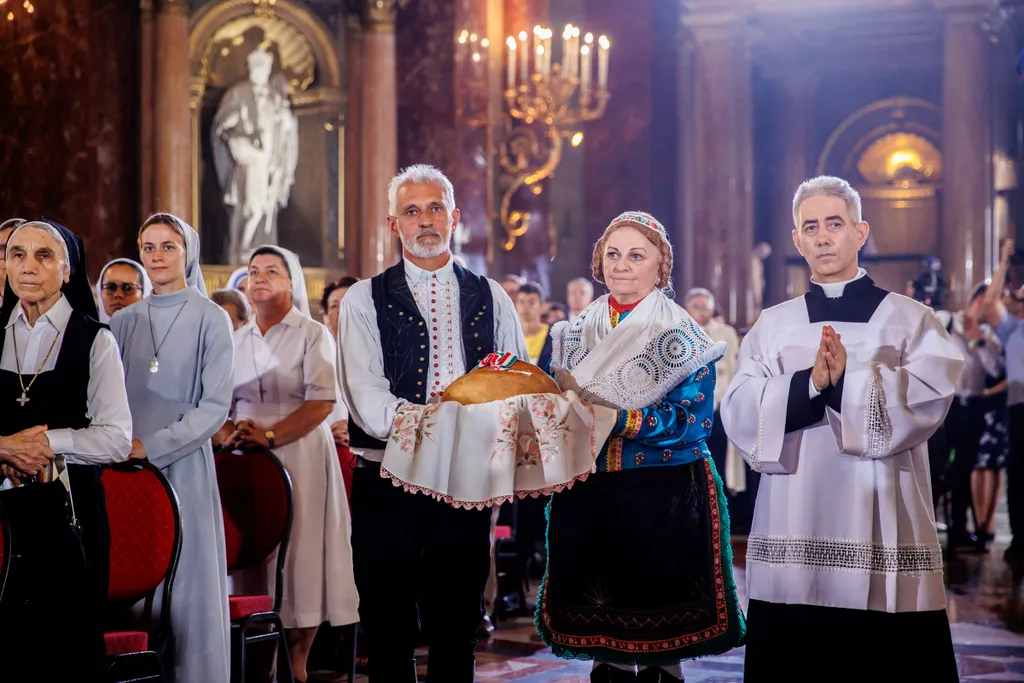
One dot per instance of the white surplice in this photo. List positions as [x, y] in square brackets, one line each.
[844, 512]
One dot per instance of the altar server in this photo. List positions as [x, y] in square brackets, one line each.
[178, 358]
[61, 377]
[834, 398]
[404, 336]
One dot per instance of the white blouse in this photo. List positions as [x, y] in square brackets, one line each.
[276, 373]
[108, 438]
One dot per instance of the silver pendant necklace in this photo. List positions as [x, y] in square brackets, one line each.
[154, 364]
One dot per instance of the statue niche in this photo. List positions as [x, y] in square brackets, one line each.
[255, 140]
[266, 94]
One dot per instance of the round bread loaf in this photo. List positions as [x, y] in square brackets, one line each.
[487, 384]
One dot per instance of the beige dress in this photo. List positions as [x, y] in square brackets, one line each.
[292, 364]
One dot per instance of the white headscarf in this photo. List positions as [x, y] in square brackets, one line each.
[291, 260]
[193, 274]
[147, 285]
[237, 276]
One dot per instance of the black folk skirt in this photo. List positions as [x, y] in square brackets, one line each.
[640, 568]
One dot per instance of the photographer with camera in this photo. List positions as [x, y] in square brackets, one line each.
[1010, 330]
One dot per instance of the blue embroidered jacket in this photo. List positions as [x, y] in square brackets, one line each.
[672, 432]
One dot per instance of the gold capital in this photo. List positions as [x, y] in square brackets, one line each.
[381, 14]
[172, 6]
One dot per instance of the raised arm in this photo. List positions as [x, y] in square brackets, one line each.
[877, 411]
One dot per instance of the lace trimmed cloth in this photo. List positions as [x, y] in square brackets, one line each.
[636, 363]
[482, 455]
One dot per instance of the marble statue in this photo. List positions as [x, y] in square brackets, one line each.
[255, 150]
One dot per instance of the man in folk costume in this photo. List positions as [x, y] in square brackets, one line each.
[60, 376]
[404, 335]
[833, 401]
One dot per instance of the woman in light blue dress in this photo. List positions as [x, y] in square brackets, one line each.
[178, 357]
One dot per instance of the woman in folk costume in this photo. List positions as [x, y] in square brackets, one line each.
[639, 573]
[285, 388]
[178, 358]
[122, 282]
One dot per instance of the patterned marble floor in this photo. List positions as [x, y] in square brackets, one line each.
[987, 622]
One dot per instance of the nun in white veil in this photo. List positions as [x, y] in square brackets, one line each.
[118, 291]
[284, 391]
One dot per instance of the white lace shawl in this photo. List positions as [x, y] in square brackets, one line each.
[638, 362]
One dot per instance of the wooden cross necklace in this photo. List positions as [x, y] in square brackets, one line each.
[17, 359]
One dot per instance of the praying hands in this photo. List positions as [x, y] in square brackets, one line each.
[830, 363]
[25, 453]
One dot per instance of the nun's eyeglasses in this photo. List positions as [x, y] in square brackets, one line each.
[125, 287]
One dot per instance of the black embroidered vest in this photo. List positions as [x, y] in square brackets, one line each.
[405, 340]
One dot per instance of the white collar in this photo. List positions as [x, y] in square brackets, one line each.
[834, 290]
[417, 275]
[57, 316]
[292, 318]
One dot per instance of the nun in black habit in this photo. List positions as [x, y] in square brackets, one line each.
[61, 374]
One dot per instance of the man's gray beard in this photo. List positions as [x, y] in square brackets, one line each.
[420, 251]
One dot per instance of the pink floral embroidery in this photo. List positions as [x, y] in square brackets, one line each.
[411, 426]
[551, 431]
[505, 444]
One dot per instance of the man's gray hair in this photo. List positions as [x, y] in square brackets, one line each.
[587, 284]
[233, 296]
[420, 173]
[696, 292]
[827, 186]
[51, 231]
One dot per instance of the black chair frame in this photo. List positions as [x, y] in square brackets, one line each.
[133, 663]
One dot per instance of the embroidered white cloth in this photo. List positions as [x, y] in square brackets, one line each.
[481, 455]
[636, 363]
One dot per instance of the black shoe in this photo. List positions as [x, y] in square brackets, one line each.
[656, 675]
[611, 674]
[965, 542]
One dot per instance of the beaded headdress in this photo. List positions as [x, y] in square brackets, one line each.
[640, 218]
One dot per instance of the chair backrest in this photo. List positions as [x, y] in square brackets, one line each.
[145, 536]
[256, 498]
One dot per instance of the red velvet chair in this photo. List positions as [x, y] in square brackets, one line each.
[145, 543]
[256, 497]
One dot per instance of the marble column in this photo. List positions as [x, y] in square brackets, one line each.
[721, 164]
[377, 249]
[172, 146]
[353, 135]
[794, 122]
[966, 242]
[146, 107]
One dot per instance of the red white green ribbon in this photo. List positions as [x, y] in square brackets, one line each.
[498, 361]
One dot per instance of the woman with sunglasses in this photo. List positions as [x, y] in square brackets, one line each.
[122, 282]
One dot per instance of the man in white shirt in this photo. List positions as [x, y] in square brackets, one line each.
[700, 304]
[833, 401]
[61, 379]
[578, 295]
[404, 336]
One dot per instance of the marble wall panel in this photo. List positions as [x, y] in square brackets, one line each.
[68, 127]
